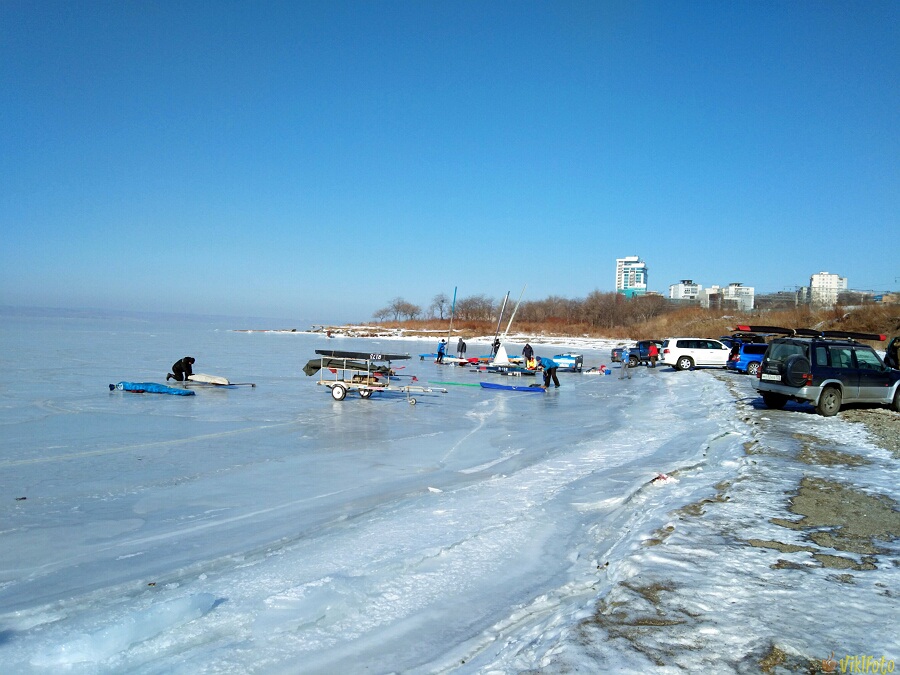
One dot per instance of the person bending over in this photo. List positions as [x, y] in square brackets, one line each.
[549, 367]
[181, 370]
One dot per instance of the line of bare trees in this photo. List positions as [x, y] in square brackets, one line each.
[598, 309]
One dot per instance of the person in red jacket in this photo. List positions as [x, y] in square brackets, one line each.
[653, 353]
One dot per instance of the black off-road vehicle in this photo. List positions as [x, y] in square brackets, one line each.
[825, 368]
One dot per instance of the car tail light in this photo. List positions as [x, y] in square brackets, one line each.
[666, 350]
[759, 372]
[807, 379]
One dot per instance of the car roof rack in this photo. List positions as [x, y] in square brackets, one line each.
[811, 332]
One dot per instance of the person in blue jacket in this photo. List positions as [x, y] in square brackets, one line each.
[442, 349]
[549, 367]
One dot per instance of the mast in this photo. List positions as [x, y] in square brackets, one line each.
[513, 315]
[452, 311]
[500, 318]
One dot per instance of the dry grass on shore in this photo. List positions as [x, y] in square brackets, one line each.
[687, 322]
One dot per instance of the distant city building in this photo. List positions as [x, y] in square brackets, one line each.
[779, 300]
[735, 296]
[741, 295]
[685, 289]
[824, 289]
[631, 276]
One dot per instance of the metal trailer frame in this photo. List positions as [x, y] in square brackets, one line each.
[349, 377]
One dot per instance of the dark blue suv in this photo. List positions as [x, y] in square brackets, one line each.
[746, 357]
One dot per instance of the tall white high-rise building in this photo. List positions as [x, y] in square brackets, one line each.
[631, 276]
[824, 289]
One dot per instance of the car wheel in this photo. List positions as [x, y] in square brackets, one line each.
[796, 368]
[752, 367]
[633, 362]
[895, 404]
[829, 402]
[684, 363]
[774, 401]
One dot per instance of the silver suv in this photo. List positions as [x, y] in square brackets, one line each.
[827, 369]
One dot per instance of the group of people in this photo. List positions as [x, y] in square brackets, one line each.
[532, 362]
[442, 350]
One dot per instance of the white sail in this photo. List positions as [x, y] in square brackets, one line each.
[500, 359]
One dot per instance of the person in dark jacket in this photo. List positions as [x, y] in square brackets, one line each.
[527, 352]
[892, 354]
[461, 348]
[181, 370]
[549, 367]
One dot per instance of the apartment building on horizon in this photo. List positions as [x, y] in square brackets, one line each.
[685, 289]
[631, 276]
[735, 296]
[824, 289]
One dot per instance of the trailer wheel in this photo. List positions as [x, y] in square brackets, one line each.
[412, 401]
[338, 392]
[365, 393]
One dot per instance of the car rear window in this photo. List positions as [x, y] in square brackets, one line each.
[755, 349]
[780, 351]
[841, 357]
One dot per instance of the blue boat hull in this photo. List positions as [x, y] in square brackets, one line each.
[510, 387]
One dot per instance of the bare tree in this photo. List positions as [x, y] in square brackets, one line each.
[410, 311]
[439, 305]
[382, 314]
[475, 308]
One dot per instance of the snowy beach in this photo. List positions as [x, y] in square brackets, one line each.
[666, 523]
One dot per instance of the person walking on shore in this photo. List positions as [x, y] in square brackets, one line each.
[549, 367]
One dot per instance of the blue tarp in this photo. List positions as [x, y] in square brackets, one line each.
[150, 388]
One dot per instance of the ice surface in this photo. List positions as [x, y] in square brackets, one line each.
[273, 529]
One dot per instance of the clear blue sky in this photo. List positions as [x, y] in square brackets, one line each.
[315, 160]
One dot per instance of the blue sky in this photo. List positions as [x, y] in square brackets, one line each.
[315, 160]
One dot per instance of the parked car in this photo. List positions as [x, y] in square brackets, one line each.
[685, 353]
[616, 354]
[827, 372]
[745, 357]
[640, 353]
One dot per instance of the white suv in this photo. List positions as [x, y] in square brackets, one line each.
[685, 353]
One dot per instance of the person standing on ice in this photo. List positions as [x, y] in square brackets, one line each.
[549, 367]
[181, 370]
[653, 353]
[626, 365]
[442, 349]
[527, 352]
[461, 348]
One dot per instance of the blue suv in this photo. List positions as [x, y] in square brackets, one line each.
[746, 357]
